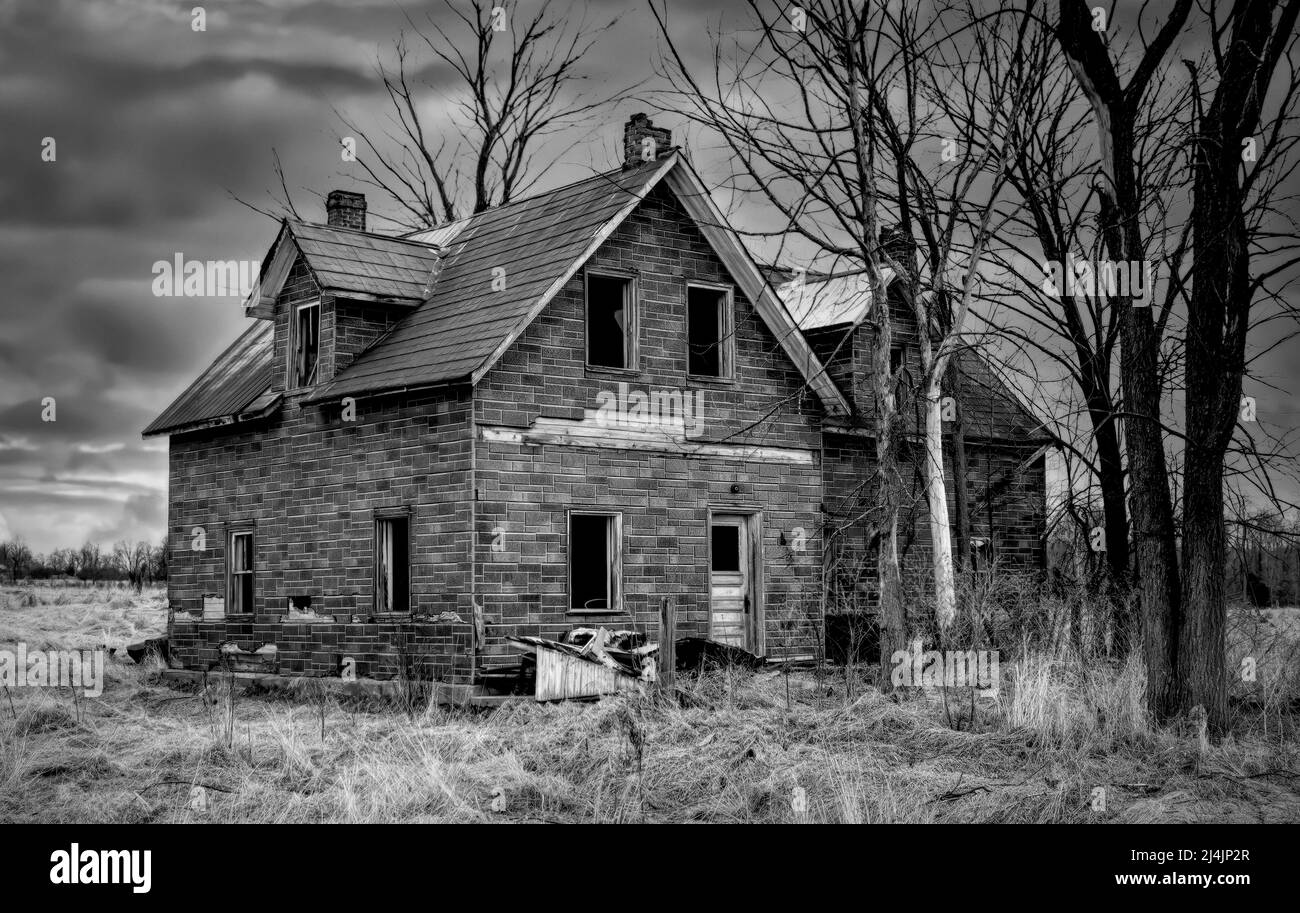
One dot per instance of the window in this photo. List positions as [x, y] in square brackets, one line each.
[725, 547]
[895, 359]
[304, 344]
[239, 564]
[595, 566]
[611, 321]
[392, 565]
[708, 331]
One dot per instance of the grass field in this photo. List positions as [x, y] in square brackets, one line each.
[739, 750]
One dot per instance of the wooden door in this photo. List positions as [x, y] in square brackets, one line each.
[731, 560]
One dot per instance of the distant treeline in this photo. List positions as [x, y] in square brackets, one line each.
[137, 563]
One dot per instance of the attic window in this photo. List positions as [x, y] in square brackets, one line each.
[709, 331]
[611, 321]
[304, 344]
[595, 566]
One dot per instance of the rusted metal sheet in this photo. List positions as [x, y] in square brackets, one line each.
[561, 675]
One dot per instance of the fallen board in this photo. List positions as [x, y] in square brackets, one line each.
[563, 676]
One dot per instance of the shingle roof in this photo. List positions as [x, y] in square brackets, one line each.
[239, 381]
[537, 241]
[991, 409]
[474, 312]
[362, 264]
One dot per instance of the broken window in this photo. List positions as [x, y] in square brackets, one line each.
[708, 331]
[240, 572]
[392, 565]
[594, 564]
[304, 344]
[610, 321]
[725, 548]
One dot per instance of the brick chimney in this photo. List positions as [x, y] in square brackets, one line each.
[344, 209]
[635, 132]
[900, 245]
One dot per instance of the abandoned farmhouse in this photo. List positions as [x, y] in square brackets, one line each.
[548, 415]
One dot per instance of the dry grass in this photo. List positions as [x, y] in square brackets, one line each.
[733, 752]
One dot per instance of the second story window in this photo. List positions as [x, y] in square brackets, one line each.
[304, 344]
[611, 321]
[709, 331]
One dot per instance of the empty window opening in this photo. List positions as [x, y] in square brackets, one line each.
[726, 548]
[594, 562]
[305, 344]
[392, 565]
[609, 321]
[240, 572]
[708, 332]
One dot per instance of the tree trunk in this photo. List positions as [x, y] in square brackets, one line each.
[1202, 649]
[945, 590]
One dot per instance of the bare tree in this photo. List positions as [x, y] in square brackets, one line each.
[1115, 108]
[89, 561]
[518, 81]
[811, 112]
[1254, 37]
[133, 561]
[797, 115]
[15, 558]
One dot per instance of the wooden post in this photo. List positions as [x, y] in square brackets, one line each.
[667, 668]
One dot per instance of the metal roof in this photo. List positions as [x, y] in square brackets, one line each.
[238, 382]
[478, 283]
[355, 263]
[536, 242]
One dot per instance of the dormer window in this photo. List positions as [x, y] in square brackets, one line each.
[304, 344]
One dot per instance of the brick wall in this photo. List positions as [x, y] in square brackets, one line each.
[526, 491]
[309, 485]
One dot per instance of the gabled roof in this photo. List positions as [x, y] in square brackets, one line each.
[462, 328]
[234, 387]
[349, 263]
[992, 409]
[540, 243]
[354, 263]
[459, 331]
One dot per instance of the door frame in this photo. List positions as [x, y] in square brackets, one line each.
[753, 517]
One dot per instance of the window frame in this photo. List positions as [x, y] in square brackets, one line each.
[613, 585]
[726, 331]
[632, 324]
[251, 572]
[291, 353]
[387, 516]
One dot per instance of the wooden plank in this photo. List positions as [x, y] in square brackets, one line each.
[667, 648]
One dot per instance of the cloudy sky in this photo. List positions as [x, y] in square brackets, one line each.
[157, 128]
